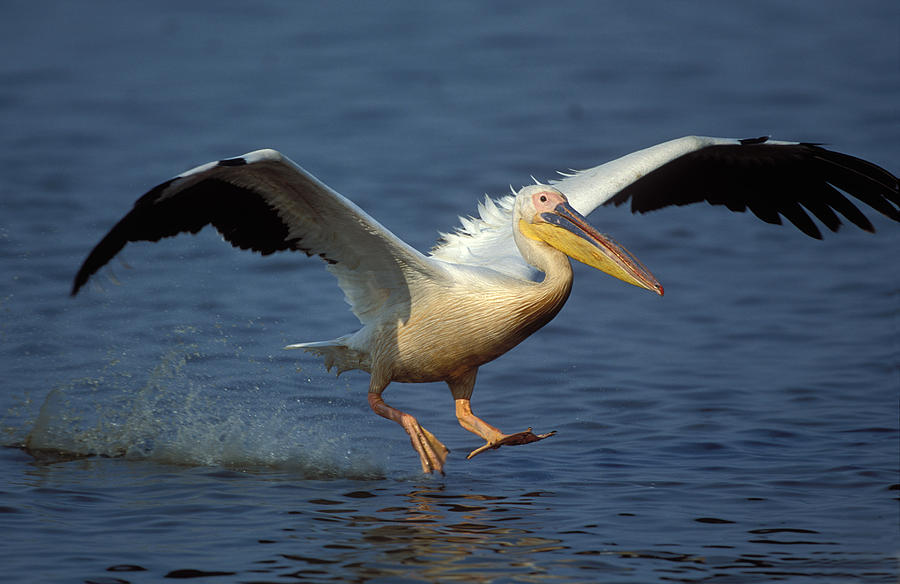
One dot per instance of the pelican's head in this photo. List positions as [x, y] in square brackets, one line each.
[543, 214]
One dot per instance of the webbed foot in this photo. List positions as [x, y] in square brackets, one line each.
[525, 437]
[432, 454]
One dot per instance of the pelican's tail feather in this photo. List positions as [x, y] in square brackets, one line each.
[336, 353]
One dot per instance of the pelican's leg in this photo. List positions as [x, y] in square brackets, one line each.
[432, 453]
[462, 387]
[493, 437]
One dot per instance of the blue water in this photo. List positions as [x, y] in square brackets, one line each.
[743, 428]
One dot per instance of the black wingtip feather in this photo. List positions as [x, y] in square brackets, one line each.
[771, 180]
[239, 161]
[104, 251]
[242, 217]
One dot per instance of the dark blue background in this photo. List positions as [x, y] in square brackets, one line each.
[742, 428]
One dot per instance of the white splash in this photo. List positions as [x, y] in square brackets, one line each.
[177, 417]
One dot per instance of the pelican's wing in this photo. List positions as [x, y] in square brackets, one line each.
[264, 202]
[770, 178]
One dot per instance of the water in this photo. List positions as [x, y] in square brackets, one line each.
[744, 428]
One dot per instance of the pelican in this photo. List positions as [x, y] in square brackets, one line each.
[502, 275]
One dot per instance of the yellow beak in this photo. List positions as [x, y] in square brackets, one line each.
[568, 231]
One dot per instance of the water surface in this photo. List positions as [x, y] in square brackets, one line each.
[744, 428]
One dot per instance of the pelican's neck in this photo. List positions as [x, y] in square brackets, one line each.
[551, 293]
[541, 301]
[553, 263]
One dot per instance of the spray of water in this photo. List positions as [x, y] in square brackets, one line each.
[182, 414]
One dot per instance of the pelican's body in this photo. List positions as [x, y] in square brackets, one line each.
[504, 275]
[455, 326]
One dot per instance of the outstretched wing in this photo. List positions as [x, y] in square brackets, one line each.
[770, 178]
[265, 202]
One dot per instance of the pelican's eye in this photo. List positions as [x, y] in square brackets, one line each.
[543, 198]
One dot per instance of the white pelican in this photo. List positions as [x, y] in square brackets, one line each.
[501, 276]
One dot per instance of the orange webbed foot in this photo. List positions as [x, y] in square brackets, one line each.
[432, 453]
[526, 437]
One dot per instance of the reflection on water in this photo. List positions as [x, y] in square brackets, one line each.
[454, 537]
[430, 536]
[438, 536]
[273, 525]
